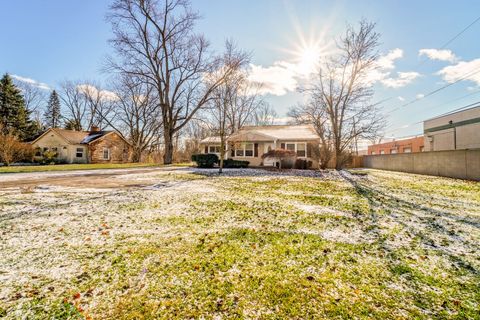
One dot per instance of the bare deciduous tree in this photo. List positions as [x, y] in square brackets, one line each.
[155, 40]
[136, 114]
[35, 99]
[86, 104]
[264, 115]
[341, 93]
[226, 97]
[75, 103]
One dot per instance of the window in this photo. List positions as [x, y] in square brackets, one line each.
[382, 151]
[79, 153]
[301, 149]
[290, 146]
[373, 153]
[213, 149]
[393, 151]
[249, 150]
[407, 150]
[244, 149]
[106, 154]
[422, 149]
[239, 152]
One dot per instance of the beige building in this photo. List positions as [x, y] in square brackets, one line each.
[251, 142]
[93, 146]
[453, 131]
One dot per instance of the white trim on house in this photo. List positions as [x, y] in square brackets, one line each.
[296, 144]
[108, 153]
[244, 150]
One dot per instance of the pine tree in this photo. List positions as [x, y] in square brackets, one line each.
[52, 114]
[14, 116]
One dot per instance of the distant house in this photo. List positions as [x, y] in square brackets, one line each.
[251, 142]
[415, 144]
[93, 146]
[453, 131]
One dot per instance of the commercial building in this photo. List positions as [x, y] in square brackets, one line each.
[458, 130]
[414, 144]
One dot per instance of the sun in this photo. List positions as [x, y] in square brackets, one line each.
[308, 58]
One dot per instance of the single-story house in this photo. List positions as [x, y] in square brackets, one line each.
[251, 142]
[94, 146]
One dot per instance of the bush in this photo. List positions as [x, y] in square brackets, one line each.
[286, 158]
[205, 160]
[230, 163]
[303, 164]
[12, 150]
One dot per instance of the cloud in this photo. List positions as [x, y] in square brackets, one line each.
[401, 98]
[278, 79]
[387, 62]
[283, 77]
[420, 96]
[92, 90]
[465, 70]
[435, 54]
[32, 82]
[402, 79]
[384, 67]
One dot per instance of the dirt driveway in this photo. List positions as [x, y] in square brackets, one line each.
[101, 178]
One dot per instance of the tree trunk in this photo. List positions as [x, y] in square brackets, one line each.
[136, 154]
[168, 150]
[222, 154]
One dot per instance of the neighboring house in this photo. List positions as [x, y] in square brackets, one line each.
[93, 146]
[398, 146]
[454, 131]
[251, 142]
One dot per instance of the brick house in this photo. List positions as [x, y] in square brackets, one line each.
[95, 146]
[415, 144]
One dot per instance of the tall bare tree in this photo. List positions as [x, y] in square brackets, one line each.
[155, 40]
[227, 98]
[136, 114]
[76, 110]
[313, 113]
[264, 115]
[341, 92]
[86, 104]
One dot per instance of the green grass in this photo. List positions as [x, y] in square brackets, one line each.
[67, 167]
[260, 248]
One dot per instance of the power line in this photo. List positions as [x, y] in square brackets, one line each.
[444, 114]
[452, 39]
[471, 73]
[442, 47]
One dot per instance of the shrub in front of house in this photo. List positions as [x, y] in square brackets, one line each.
[303, 164]
[230, 163]
[207, 160]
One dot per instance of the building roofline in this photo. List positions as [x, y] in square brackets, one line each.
[452, 112]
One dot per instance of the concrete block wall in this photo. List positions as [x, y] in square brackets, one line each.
[461, 164]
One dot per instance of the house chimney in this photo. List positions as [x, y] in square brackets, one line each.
[94, 129]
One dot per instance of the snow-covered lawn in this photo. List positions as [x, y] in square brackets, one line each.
[255, 244]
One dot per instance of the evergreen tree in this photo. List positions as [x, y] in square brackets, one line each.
[52, 114]
[14, 116]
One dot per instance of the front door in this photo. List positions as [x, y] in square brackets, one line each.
[269, 162]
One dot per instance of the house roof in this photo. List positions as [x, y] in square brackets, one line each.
[213, 139]
[76, 137]
[275, 132]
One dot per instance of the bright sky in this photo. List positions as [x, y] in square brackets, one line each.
[53, 40]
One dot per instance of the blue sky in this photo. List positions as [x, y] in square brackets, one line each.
[53, 40]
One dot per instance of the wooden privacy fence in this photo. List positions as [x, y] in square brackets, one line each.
[461, 164]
